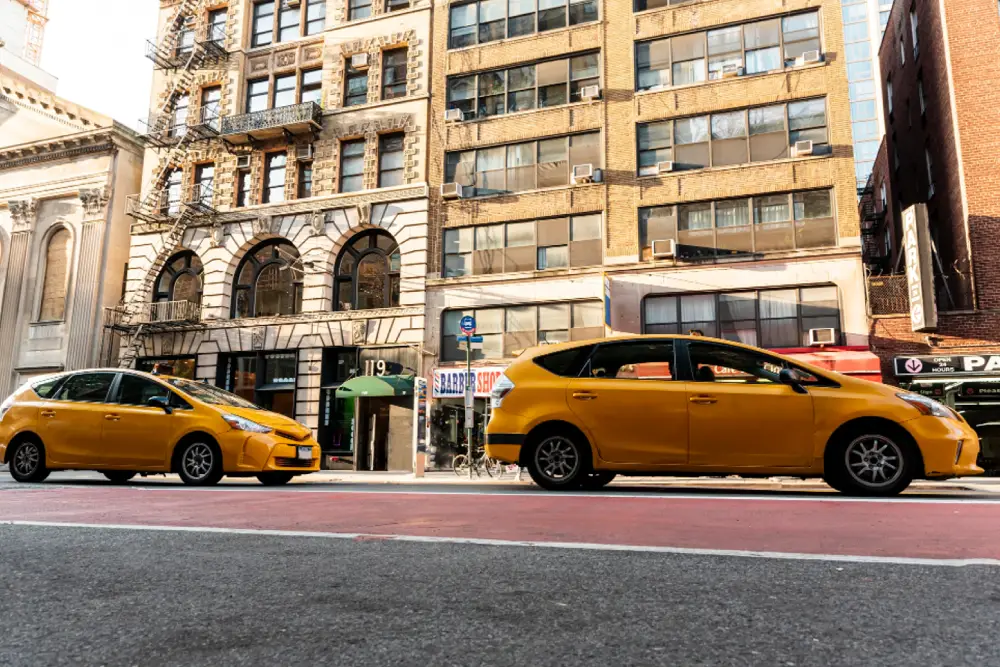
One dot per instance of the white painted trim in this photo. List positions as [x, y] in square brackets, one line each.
[582, 546]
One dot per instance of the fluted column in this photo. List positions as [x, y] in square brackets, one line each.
[23, 214]
[83, 338]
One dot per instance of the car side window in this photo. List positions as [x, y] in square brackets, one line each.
[47, 388]
[733, 365]
[86, 387]
[137, 390]
[639, 360]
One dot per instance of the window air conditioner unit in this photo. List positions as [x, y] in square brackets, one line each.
[589, 93]
[664, 167]
[451, 191]
[809, 58]
[304, 152]
[359, 61]
[819, 337]
[583, 173]
[242, 161]
[802, 148]
[454, 115]
[731, 71]
[664, 248]
[289, 4]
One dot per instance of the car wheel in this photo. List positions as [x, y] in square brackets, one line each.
[559, 461]
[871, 463]
[27, 461]
[275, 478]
[597, 480]
[200, 463]
[118, 476]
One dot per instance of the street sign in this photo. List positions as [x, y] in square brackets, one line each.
[470, 398]
[463, 345]
[467, 325]
[474, 339]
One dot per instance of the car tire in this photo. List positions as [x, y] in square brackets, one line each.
[597, 480]
[872, 462]
[27, 461]
[199, 463]
[559, 461]
[118, 476]
[275, 478]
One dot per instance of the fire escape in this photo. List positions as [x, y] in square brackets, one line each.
[172, 133]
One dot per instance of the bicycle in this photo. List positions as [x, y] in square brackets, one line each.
[481, 463]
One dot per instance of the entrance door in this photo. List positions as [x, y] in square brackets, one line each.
[631, 405]
[137, 435]
[71, 422]
[740, 415]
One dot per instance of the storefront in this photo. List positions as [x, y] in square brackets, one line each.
[264, 378]
[970, 383]
[447, 411]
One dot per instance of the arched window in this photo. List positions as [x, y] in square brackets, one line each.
[57, 263]
[268, 281]
[367, 272]
[180, 279]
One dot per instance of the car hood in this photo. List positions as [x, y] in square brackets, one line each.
[273, 420]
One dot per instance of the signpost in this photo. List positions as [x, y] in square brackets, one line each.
[468, 327]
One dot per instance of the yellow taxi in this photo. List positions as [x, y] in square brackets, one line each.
[125, 422]
[578, 414]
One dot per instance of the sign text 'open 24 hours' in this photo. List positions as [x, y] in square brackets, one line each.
[955, 364]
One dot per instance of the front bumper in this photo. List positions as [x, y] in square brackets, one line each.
[267, 453]
[938, 441]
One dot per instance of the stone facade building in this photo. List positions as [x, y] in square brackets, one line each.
[607, 167]
[65, 173]
[280, 244]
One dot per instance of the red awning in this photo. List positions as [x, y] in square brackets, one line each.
[858, 363]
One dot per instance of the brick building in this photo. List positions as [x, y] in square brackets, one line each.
[279, 245]
[940, 64]
[687, 165]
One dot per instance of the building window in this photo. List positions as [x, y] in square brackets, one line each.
[262, 30]
[352, 165]
[888, 96]
[902, 52]
[734, 137]
[311, 89]
[305, 186]
[753, 48]
[284, 91]
[526, 166]
[356, 85]
[289, 23]
[185, 39]
[920, 95]
[242, 187]
[58, 258]
[211, 101]
[913, 33]
[930, 172]
[204, 184]
[359, 9]
[549, 243]
[745, 226]
[265, 379]
[366, 275]
[522, 88]
[778, 318]
[396, 5]
[390, 160]
[180, 279]
[490, 20]
[274, 177]
[394, 73]
[179, 118]
[508, 330]
[217, 26]
[257, 95]
[268, 281]
[315, 16]
[174, 185]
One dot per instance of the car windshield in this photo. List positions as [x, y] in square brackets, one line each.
[210, 394]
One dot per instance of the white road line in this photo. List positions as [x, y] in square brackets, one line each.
[583, 546]
[656, 493]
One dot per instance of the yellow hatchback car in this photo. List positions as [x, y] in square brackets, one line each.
[578, 414]
[124, 422]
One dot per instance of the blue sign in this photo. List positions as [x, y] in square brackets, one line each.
[470, 339]
[468, 325]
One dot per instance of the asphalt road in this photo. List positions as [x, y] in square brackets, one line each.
[79, 596]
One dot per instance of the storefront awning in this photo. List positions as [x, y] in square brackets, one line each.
[858, 363]
[369, 386]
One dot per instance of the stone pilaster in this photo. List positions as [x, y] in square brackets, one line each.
[23, 213]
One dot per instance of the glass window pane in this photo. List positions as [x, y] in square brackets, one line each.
[588, 314]
[730, 125]
[489, 321]
[553, 317]
[656, 224]
[553, 257]
[807, 114]
[661, 310]
[520, 234]
[653, 64]
[778, 304]
[585, 227]
[584, 67]
[691, 130]
[552, 71]
[761, 34]
[521, 318]
[489, 237]
[688, 71]
[585, 149]
[814, 204]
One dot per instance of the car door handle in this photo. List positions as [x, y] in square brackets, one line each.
[584, 395]
[48, 413]
[112, 418]
[703, 400]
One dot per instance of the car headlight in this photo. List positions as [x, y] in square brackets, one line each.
[6, 406]
[244, 424]
[927, 406]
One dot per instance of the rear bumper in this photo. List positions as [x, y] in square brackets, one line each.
[504, 447]
[939, 439]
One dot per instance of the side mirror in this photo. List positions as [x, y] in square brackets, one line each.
[160, 402]
[793, 379]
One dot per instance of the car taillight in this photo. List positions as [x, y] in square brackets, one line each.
[501, 388]
[6, 406]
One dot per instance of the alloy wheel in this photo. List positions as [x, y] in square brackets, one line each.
[557, 458]
[26, 459]
[874, 461]
[198, 461]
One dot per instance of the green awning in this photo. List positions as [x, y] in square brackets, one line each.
[376, 385]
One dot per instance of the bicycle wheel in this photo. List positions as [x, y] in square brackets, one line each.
[461, 465]
[493, 467]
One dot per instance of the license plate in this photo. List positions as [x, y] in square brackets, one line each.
[305, 452]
